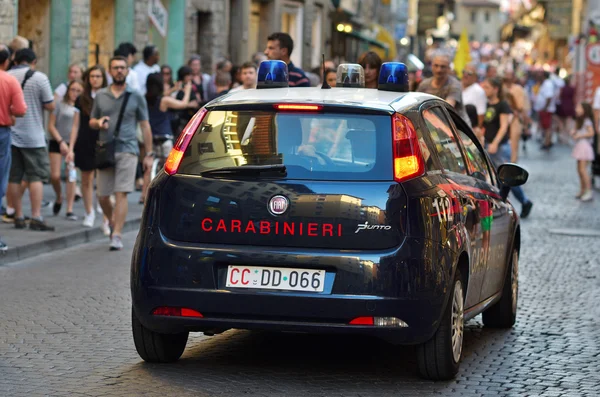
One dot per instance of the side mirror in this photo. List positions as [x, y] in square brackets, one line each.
[512, 175]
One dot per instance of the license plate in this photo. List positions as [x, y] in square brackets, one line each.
[275, 278]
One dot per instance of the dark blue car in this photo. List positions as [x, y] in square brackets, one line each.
[344, 210]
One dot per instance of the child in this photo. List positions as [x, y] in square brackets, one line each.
[583, 151]
[60, 124]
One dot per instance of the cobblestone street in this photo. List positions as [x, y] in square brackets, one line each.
[65, 327]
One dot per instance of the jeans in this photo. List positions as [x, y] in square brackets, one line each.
[503, 156]
[5, 159]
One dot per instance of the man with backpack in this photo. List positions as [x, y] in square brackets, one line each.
[30, 162]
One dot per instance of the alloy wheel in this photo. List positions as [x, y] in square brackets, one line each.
[457, 321]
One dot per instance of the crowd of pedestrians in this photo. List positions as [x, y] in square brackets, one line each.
[129, 113]
[106, 126]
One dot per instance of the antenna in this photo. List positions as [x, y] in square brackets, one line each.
[324, 86]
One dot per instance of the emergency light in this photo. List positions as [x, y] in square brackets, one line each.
[272, 74]
[350, 75]
[393, 76]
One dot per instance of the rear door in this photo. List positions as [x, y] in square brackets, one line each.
[493, 211]
[333, 193]
[460, 202]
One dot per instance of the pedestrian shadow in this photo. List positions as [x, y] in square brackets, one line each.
[251, 359]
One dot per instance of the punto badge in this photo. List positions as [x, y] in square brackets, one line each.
[278, 205]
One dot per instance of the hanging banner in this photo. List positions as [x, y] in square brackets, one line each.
[159, 16]
[592, 74]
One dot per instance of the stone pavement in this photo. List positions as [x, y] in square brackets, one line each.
[24, 243]
[65, 327]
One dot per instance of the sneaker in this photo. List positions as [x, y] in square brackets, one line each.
[56, 208]
[526, 209]
[115, 243]
[106, 228]
[20, 223]
[88, 220]
[40, 226]
[8, 218]
[587, 196]
[71, 216]
[3, 247]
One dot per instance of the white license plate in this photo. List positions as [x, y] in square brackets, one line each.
[275, 278]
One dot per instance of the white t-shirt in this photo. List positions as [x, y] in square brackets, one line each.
[475, 95]
[143, 71]
[547, 91]
[131, 80]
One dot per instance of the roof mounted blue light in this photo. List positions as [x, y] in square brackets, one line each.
[393, 76]
[272, 74]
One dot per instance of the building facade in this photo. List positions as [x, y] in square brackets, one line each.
[482, 19]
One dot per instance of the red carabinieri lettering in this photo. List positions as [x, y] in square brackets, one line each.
[310, 229]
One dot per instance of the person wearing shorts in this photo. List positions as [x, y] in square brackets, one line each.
[30, 162]
[120, 179]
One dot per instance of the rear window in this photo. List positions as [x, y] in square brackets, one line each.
[318, 146]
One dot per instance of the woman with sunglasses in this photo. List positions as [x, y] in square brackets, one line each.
[170, 85]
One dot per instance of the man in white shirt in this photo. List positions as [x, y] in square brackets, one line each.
[473, 94]
[128, 51]
[147, 66]
[545, 105]
[248, 77]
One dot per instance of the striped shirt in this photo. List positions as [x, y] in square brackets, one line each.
[28, 131]
[297, 78]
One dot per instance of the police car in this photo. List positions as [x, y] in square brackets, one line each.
[327, 210]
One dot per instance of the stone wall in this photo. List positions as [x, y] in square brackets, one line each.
[207, 31]
[80, 31]
[142, 25]
[7, 18]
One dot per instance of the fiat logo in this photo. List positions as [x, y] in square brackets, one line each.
[278, 205]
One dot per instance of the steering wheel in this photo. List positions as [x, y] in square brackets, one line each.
[325, 158]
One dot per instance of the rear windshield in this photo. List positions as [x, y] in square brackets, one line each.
[318, 146]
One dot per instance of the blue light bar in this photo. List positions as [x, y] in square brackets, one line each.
[393, 76]
[272, 74]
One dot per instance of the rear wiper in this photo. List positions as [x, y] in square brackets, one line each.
[279, 170]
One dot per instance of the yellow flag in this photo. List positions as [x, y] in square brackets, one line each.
[463, 54]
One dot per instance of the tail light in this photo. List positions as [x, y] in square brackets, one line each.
[408, 160]
[297, 107]
[176, 155]
[176, 311]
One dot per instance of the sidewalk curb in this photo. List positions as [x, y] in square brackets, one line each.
[62, 242]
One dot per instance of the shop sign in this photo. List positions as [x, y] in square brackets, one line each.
[159, 16]
[592, 74]
[559, 14]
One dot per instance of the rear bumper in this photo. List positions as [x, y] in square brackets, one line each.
[397, 284]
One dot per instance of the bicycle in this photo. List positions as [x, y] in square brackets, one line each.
[161, 145]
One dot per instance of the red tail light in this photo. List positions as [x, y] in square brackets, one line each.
[176, 311]
[297, 107]
[174, 159]
[362, 321]
[408, 160]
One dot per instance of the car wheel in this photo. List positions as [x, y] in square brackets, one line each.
[504, 313]
[440, 356]
[155, 347]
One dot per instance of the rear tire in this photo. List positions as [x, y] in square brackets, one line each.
[155, 347]
[504, 313]
[439, 357]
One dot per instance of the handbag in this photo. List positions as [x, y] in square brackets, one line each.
[105, 151]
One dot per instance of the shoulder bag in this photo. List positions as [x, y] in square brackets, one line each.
[105, 151]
